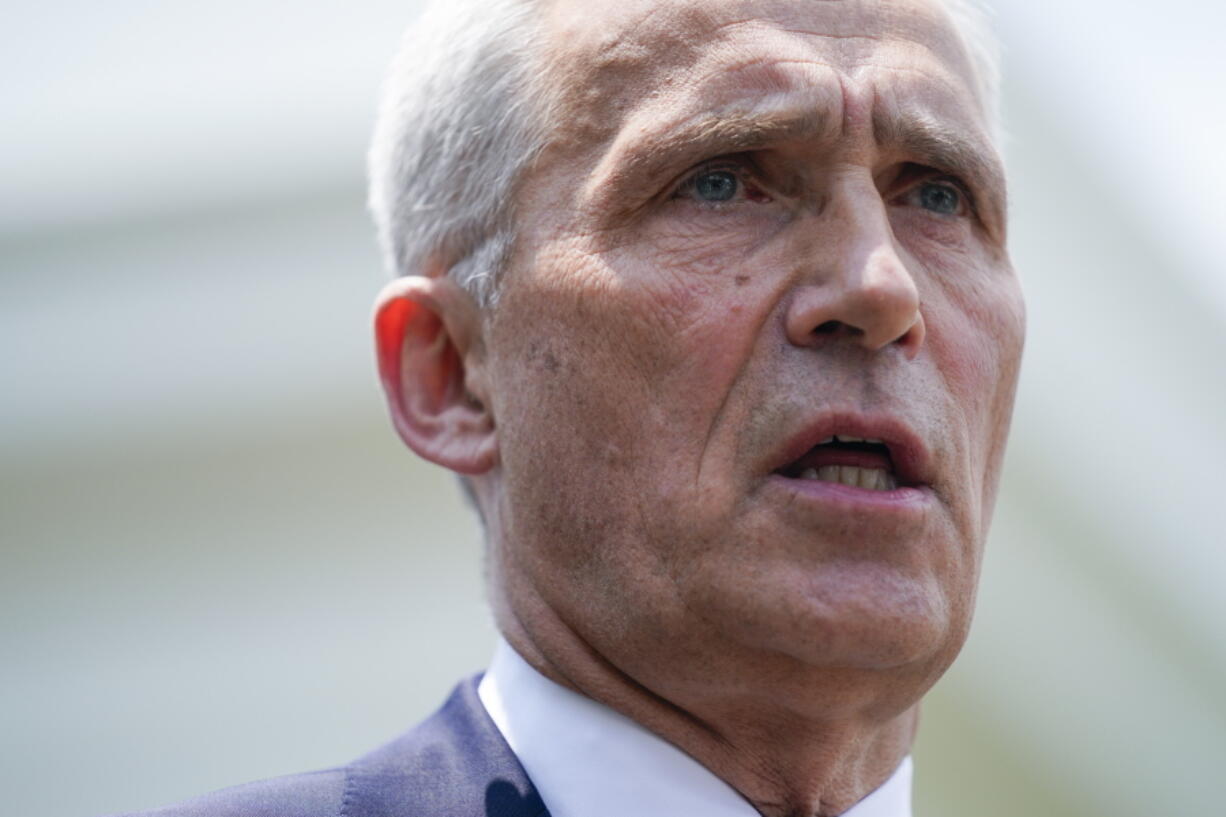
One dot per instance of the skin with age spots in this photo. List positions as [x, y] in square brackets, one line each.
[659, 343]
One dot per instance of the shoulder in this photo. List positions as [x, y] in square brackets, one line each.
[313, 794]
[456, 763]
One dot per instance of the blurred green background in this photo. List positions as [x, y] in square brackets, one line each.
[218, 564]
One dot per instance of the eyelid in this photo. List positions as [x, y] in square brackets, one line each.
[916, 175]
[968, 195]
[742, 166]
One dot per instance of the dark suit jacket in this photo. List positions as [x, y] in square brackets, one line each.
[454, 764]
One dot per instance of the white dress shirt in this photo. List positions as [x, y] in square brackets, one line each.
[587, 760]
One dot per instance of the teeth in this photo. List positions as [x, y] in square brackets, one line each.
[871, 479]
[847, 438]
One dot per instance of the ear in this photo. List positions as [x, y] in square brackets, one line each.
[428, 336]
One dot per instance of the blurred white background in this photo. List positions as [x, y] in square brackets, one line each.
[218, 564]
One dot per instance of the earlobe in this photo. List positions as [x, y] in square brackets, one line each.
[429, 352]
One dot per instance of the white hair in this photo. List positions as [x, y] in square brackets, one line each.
[455, 130]
[463, 116]
[972, 21]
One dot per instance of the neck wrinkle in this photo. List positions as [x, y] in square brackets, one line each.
[790, 767]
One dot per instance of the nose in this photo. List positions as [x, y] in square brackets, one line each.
[856, 285]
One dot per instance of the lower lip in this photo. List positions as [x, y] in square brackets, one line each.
[835, 496]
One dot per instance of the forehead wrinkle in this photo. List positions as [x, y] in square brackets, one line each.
[925, 25]
[635, 155]
[592, 51]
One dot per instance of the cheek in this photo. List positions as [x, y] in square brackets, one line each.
[611, 380]
[976, 332]
[588, 374]
[669, 327]
[975, 317]
[700, 244]
[969, 360]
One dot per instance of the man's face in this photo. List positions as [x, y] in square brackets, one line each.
[760, 225]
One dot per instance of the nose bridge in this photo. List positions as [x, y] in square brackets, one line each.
[854, 197]
[863, 234]
[856, 283]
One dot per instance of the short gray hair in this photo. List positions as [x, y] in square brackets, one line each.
[463, 116]
[455, 131]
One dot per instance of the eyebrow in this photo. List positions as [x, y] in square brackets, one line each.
[960, 151]
[643, 159]
[634, 164]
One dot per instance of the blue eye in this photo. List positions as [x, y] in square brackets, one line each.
[940, 197]
[716, 185]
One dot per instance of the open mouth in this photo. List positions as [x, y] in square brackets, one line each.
[846, 460]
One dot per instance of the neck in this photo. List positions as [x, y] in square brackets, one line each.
[786, 760]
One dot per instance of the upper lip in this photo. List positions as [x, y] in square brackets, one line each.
[912, 459]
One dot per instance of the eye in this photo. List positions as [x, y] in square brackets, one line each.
[721, 184]
[940, 198]
[716, 185]
[944, 197]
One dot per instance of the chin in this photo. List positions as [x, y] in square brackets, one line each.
[862, 616]
[883, 642]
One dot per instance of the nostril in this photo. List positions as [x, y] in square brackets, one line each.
[827, 328]
[837, 328]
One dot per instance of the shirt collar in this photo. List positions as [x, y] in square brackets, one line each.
[587, 760]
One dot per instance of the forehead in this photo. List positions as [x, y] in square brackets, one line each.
[611, 63]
